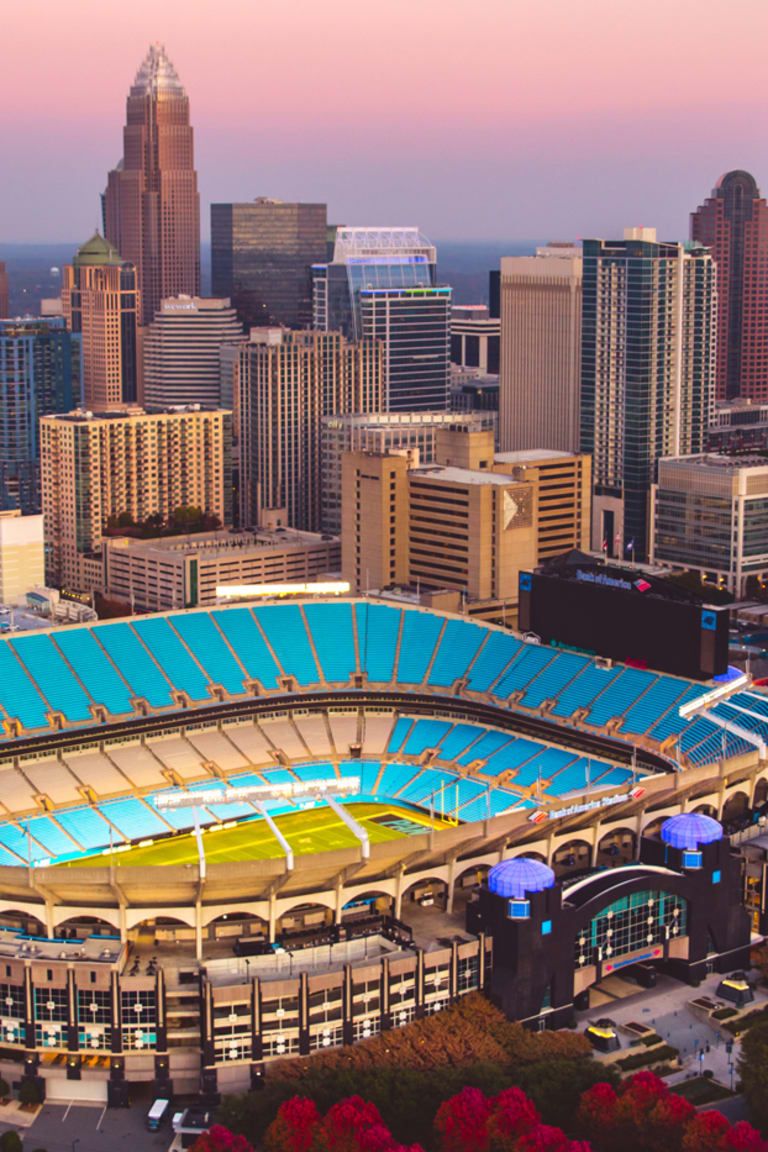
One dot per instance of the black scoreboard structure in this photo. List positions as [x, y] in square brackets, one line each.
[575, 601]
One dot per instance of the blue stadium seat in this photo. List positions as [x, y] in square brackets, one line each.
[420, 633]
[173, 657]
[583, 689]
[366, 770]
[52, 839]
[511, 757]
[96, 672]
[402, 727]
[283, 626]
[457, 650]
[673, 722]
[377, 630]
[182, 819]
[546, 763]
[320, 771]
[132, 818]
[207, 645]
[532, 659]
[394, 778]
[429, 784]
[499, 649]
[47, 668]
[248, 644]
[614, 777]
[750, 721]
[87, 826]
[424, 734]
[619, 696]
[653, 704]
[458, 740]
[331, 628]
[16, 840]
[488, 744]
[498, 800]
[7, 857]
[573, 778]
[753, 701]
[134, 663]
[18, 695]
[553, 679]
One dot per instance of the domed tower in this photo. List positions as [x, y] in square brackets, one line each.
[733, 224]
[152, 205]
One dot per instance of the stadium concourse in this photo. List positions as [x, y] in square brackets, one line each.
[134, 887]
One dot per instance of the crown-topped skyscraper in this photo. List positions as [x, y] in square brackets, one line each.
[151, 205]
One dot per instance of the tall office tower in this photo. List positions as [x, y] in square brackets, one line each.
[647, 376]
[262, 255]
[151, 205]
[285, 383]
[39, 374]
[412, 433]
[381, 285]
[540, 350]
[4, 308]
[733, 224]
[143, 464]
[101, 305]
[182, 351]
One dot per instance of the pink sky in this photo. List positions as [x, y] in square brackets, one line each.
[473, 118]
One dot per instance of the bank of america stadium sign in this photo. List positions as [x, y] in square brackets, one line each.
[542, 814]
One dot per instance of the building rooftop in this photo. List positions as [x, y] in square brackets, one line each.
[223, 543]
[84, 416]
[483, 420]
[452, 475]
[718, 461]
[97, 252]
[391, 242]
[157, 74]
[531, 455]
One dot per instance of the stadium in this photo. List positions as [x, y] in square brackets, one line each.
[237, 834]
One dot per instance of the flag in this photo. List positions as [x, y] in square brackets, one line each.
[605, 545]
[630, 546]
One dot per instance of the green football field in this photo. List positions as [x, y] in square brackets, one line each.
[314, 830]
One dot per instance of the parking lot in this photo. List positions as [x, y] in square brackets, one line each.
[82, 1127]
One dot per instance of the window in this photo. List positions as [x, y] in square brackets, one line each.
[630, 924]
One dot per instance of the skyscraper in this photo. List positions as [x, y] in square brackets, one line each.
[151, 205]
[540, 350]
[39, 375]
[4, 309]
[101, 305]
[733, 224]
[647, 373]
[182, 352]
[284, 383]
[144, 464]
[381, 285]
[262, 255]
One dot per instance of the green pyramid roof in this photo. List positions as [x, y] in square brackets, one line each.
[97, 250]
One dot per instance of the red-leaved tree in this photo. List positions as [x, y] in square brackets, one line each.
[220, 1139]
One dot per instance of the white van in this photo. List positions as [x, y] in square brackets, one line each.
[157, 1114]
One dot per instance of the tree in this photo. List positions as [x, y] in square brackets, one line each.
[513, 1114]
[462, 1122]
[753, 1071]
[295, 1128]
[216, 1139]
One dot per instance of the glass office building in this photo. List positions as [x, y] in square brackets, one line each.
[261, 258]
[382, 285]
[647, 373]
[39, 375]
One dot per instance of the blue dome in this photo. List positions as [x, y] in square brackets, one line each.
[690, 830]
[515, 878]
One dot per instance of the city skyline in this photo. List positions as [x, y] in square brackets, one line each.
[424, 118]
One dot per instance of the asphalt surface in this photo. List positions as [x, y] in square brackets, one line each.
[94, 1128]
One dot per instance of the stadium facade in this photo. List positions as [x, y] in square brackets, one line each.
[144, 936]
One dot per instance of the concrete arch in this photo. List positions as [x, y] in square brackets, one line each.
[78, 926]
[290, 903]
[309, 916]
[706, 810]
[426, 892]
[386, 886]
[616, 846]
[574, 855]
[31, 922]
[760, 794]
[135, 917]
[372, 901]
[735, 808]
[217, 912]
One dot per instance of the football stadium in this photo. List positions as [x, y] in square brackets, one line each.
[232, 835]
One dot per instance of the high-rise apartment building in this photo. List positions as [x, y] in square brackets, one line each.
[261, 258]
[285, 382]
[733, 224]
[475, 336]
[647, 373]
[540, 369]
[4, 305]
[182, 352]
[151, 205]
[381, 285]
[412, 433]
[101, 306]
[144, 464]
[562, 497]
[39, 375]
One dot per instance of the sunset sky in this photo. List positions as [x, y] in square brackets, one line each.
[473, 118]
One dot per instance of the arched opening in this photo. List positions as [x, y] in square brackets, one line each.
[653, 829]
[428, 893]
[366, 906]
[572, 858]
[81, 927]
[761, 793]
[237, 931]
[736, 812]
[305, 925]
[25, 922]
[706, 810]
[619, 846]
[155, 937]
